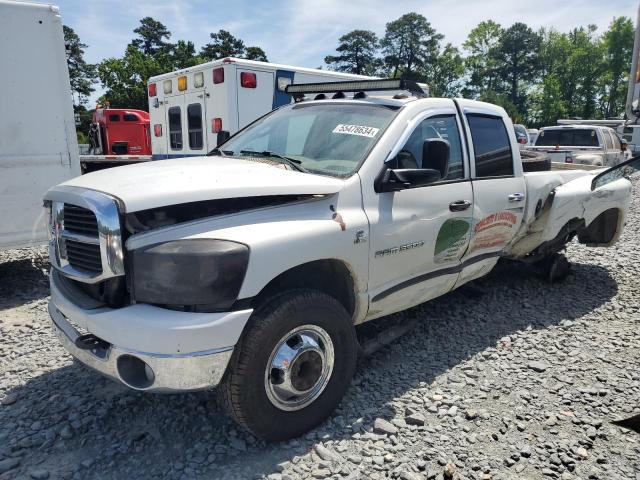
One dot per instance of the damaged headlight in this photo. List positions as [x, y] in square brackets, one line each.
[196, 274]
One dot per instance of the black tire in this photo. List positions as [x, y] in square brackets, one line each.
[242, 391]
[554, 268]
[535, 162]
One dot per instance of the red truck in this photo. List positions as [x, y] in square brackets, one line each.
[117, 136]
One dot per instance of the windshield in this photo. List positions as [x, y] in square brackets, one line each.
[330, 139]
[579, 137]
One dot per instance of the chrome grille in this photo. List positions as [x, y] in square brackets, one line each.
[85, 243]
[85, 256]
[80, 220]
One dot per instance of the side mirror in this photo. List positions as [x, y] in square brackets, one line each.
[394, 180]
[623, 145]
[435, 155]
[223, 136]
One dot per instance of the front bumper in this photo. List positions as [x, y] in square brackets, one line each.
[145, 347]
[159, 372]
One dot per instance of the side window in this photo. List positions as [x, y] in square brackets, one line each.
[607, 139]
[129, 117]
[194, 126]
[443, 127]
[114, 118]
[175, 129]
[491, 145]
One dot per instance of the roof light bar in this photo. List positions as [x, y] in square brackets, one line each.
[356, 86]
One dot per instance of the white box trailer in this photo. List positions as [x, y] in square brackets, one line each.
[38, 147]
[190, 107]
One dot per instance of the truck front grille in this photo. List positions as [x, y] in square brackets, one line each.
[84, 256]
[80, 220]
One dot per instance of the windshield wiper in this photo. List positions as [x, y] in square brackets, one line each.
[221, 153]
[292, 162]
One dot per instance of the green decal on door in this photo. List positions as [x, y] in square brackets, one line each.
[452, 240]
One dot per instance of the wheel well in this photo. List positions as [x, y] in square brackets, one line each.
[332, 277]
[602, 229]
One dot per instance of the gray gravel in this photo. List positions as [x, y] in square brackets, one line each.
[521, 381]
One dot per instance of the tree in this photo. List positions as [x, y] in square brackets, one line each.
[182, 55]
[152, 36]
[409, 44]
[444, 75]
[357, 53]
[481, 64]
[618, 45]
[255, 53]
[224, 44]
[517, 57]
[548, 104]
[82, 75]
[125, 79]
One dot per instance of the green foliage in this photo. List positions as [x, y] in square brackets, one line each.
[357, 53]
[481, 64]
[444, 74]
[152, 35]
[409, 44]
[618, 47]
[517, 62]
[82, 75]
[224, 44]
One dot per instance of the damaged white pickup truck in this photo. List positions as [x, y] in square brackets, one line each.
[249, 268]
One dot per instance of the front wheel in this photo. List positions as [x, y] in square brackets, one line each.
[292, 366]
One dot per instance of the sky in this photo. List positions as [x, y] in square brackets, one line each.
[303, 32]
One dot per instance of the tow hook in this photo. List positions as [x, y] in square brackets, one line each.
[96, 345]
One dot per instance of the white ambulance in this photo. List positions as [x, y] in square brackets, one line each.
[192, 110]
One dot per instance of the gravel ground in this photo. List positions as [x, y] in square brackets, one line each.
[521, 381]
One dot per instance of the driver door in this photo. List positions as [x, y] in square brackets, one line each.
[418, 235]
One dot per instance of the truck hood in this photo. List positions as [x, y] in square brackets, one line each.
[183, 180]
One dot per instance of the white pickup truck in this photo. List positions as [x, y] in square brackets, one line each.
[250, 267]
[581, 144]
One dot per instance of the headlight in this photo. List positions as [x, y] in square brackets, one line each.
[201, 273]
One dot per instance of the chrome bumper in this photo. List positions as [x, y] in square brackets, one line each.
[143, 370]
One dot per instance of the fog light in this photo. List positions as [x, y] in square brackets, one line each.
[134, 372]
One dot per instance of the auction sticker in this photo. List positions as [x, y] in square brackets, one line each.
[359, 130]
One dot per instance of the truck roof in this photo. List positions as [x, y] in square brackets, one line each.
[256, 64]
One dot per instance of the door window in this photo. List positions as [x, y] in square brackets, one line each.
[442, 127]
[194, 126]
[491, 145]
[175, 128]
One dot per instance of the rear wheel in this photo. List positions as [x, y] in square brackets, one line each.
[292, 366]
[555, 268]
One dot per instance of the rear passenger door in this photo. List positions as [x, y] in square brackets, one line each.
[498, 190]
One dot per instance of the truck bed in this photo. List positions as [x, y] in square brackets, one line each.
[560, 198]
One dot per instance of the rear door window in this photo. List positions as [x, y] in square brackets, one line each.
[114, 118]
[491, 145]
[175, 128]
[194, 125]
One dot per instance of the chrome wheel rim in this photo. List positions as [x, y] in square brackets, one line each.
[299, 367]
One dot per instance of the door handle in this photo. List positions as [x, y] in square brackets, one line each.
[459, 205]
[516, 197]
